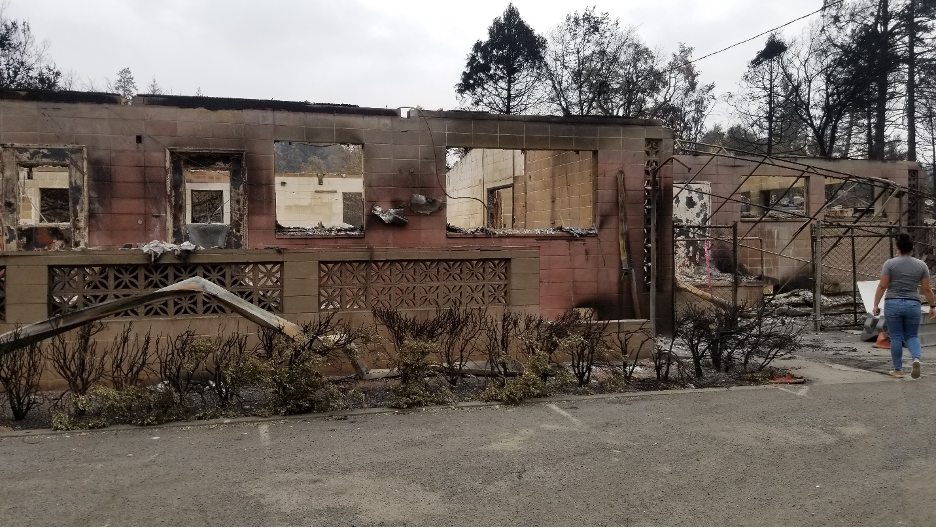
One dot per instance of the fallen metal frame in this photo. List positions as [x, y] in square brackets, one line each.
[36, 332]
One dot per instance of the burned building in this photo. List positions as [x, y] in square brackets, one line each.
[764, 225]
[280, 197]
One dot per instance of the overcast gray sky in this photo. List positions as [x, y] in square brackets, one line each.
[364, 52]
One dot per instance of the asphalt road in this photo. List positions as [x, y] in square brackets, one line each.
[851, 448]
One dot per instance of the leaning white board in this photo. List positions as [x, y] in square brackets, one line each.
[867, 289]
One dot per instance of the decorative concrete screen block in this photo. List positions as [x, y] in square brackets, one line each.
[360, 285]
[74, 287]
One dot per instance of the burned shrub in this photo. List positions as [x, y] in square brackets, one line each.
[413, 341]
[401, 328]
[19, 374]
[499, 336]
[697, 327]
[531, 383]
[103, 406]
[764, 336]
[458, 339]
[181, 363]
[129, 360]
[233, 366]
[78, 361]
[621, 362]
[297, 384]
[585, 344]
[416, 391]
[743, 338]
[538, 335]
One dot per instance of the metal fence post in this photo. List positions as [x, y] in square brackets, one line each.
[735, 251]
[854, 277]
[817, 274]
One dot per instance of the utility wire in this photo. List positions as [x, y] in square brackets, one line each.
[769, 31]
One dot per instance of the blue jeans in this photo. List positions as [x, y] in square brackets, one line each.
[903, 324]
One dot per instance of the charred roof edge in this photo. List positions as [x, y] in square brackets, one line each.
[61, 96]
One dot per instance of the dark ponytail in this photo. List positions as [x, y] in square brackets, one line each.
[904, 243]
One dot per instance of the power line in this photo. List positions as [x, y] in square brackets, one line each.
[825, 5]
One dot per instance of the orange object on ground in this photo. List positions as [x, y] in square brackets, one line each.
[883, 341]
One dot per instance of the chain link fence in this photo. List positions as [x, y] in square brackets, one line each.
[843, 256]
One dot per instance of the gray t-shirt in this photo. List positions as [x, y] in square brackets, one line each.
[905, 274]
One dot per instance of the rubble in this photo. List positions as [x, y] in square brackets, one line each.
[574, 231]
[320, 230]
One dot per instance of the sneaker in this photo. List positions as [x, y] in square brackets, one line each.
[915, 371]
[896, 373]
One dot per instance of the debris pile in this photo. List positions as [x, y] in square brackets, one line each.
[801, 302]
[320, 230]
[574, 231]
[155, 249]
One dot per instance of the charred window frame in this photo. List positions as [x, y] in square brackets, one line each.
[45, 198]
[319, 189]
[197, 179]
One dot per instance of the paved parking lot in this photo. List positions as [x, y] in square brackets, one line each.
[852, 447]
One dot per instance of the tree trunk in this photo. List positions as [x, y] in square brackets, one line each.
[770, 110]
[880, 105]
[911, 82]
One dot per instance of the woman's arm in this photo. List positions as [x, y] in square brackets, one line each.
[928, 292]
[879, 293]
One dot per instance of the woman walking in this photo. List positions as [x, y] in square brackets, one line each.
[901, 279]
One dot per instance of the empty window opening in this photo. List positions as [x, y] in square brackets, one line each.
[207, 197]
[848, 198]
[773, 197]
[44, 195]
[207, 202]
[520, 191]
[319, 188]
